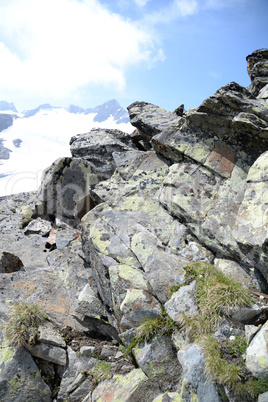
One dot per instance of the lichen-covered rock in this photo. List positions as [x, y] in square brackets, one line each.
[250, 229]
[97, 147]
[20, 379]
[158, 360]
[257, 353]
[213, 133]
[150, 119]
[38, 226]
[137, 306]
[132, 387]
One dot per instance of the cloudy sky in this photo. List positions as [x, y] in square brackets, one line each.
[86, 52]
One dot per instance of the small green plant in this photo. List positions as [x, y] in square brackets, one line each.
[163, 325]
[213, 290]
[100, 372]
[22, 326]
[224, 358]
[226, 365]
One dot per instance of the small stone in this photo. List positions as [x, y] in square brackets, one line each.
[87, 350]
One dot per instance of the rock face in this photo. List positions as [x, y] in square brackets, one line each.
[112, 245]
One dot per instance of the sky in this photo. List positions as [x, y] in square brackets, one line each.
[85, 52]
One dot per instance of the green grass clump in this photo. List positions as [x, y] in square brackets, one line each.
[22, 326]
[163, 325]
[226, 366]
[213, 290]
[224, 358]
[100, 372]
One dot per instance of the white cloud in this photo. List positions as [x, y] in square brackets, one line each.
[53, 47]
[175, 10]
[141, 3]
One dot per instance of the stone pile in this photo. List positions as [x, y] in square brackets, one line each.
[109, 235]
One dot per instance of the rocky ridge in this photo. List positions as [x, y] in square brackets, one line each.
[120, 245]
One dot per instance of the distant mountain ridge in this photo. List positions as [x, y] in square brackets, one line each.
[103, 112]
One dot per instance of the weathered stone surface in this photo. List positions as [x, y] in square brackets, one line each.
[182, 302]
[234, 270]
[213, 133]
[193, 364]
[251, 226]
[150, 119]
[258, 70]
[131, 387]
[73, 377]
[158, 360]
[206, 202]
[241, 314]
[20, 379]
[47, 352]
[257, 353]
[138, 306]
[250, 332]
[49, 334]
[38, 226]
[64, 184]
[97, 147]
[263, 397]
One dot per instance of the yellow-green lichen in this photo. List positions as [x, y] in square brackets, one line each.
[97, 238]
[263, 362]
[6, 354]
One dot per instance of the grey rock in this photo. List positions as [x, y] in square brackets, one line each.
[192, 361]
[263, 397]
[9, 263]
[63, 185]
[258, 70]
[250, 332]
[182, 302]
[47, 352]
[97, 147]
[150, 119]
[87, 350]
[50, 335]
[241, 314]
[158, 360]
[74, 377]
[20, 379]
[38, 226]
[257, 353]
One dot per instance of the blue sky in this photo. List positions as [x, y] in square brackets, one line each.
[85, 52]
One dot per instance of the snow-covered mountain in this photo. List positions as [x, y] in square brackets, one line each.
[30, 141]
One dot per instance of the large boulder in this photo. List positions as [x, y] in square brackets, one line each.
[227, 129]
[97, 147]
[258, 70]
[64, 184]
[20, 378]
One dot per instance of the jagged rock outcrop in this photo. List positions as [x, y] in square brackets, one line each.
[157, 242]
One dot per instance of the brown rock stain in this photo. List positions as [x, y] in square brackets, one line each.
[222, 159]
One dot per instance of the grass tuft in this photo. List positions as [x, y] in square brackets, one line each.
[163, 325]
[22, 326]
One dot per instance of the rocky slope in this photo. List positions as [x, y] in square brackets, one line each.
[148, 254]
